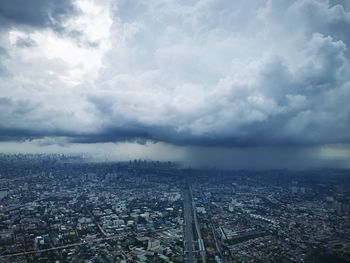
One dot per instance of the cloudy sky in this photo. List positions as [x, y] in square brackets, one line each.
[259, 83]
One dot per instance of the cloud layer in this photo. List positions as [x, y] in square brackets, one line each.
[204, 72]
[38, 13]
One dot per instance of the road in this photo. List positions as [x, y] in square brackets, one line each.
[200, 240]
[188, 231]
[95, 221]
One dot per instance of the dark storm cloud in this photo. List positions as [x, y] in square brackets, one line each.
[204, 73]
[12, 111]
[8, 134]
[131, 134]
[35, 13]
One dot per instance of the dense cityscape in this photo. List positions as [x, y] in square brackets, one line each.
[56, 208]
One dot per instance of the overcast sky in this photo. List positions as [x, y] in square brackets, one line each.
[258, 83]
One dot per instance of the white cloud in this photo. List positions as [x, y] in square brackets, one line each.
[201, 72]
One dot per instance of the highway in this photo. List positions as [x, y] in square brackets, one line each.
[95, 221]
[200, 240]
[188, 231]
